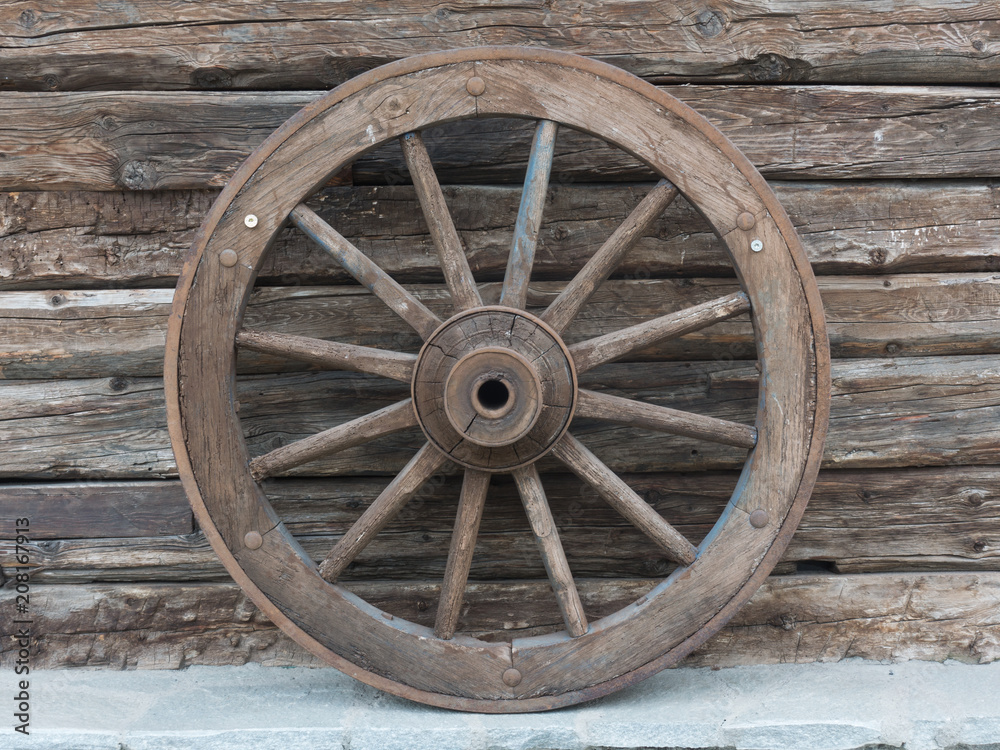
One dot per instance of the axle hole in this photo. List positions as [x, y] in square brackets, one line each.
[493, 395]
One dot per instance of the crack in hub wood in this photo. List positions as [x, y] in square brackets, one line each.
[494, 388]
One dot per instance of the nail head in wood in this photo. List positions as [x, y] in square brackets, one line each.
[759, 519]
[253, 540]
[511, 678]
[475, 86]
[746, 221]
[756, 246]
[228, 258]
[250, 220]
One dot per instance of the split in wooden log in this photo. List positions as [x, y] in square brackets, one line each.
[612, 346]
[543, 526]
[529, 216]
[420, 468]
[463, 543]
[610, 255]
[379, 283]
[356, 432]
[622, 498]
[331, 355]
[451, 253]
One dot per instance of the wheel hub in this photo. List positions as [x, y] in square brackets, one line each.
[494, 388]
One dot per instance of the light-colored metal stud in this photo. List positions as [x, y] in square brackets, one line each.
[228, 258]
[253, 540]
[756, 246]
[250, 220]
[759, 518]
[746, 221]
[511, 678]
[475, 86]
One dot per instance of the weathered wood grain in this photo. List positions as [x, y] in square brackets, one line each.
[858, 521]
[885, 617]
[933, 411]
[72, 239]
[104, 333]
[71, 45]
[99, 509]
[163, 140]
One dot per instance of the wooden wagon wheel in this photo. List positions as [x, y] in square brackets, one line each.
[494, 388]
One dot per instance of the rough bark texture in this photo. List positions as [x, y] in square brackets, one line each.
[168, 140]
[935, 616]
[307, 44]
[72, 239]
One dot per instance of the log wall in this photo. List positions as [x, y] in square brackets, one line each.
[120, 123]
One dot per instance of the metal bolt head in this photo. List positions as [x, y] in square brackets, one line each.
[746, 221]
[228, 258]
[511, 678]
[759, 518]
[253, 540]
[756, 246]
[250, 220]
[475, 86]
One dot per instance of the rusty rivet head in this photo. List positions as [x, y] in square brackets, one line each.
[253, 540]
[250, 220]
[228, 258]
[511, 678]
[759, 519]
[475, 86]
[746, 221]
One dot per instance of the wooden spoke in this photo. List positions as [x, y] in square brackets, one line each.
[361, 430]
[565, 307]
[529, 216]
[356, 263]
[330, 354]
[454, 263]
[529, 485]
[622, 498]
[676, 422]
[382, 510]
[463, 542]
[596, 351]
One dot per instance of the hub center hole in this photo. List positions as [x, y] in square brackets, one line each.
[493, 395]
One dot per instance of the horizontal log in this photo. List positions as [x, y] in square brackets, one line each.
[919, 411]
[73, 45]
[95, 509]
[102, 333]
[857, 521]
[173, 140]
[884, 617]
[71, 239]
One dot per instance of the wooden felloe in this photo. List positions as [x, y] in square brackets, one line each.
[494, 388]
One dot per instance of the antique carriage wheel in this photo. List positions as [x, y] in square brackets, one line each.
[494, 388]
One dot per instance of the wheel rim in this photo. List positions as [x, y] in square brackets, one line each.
[432, 665]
